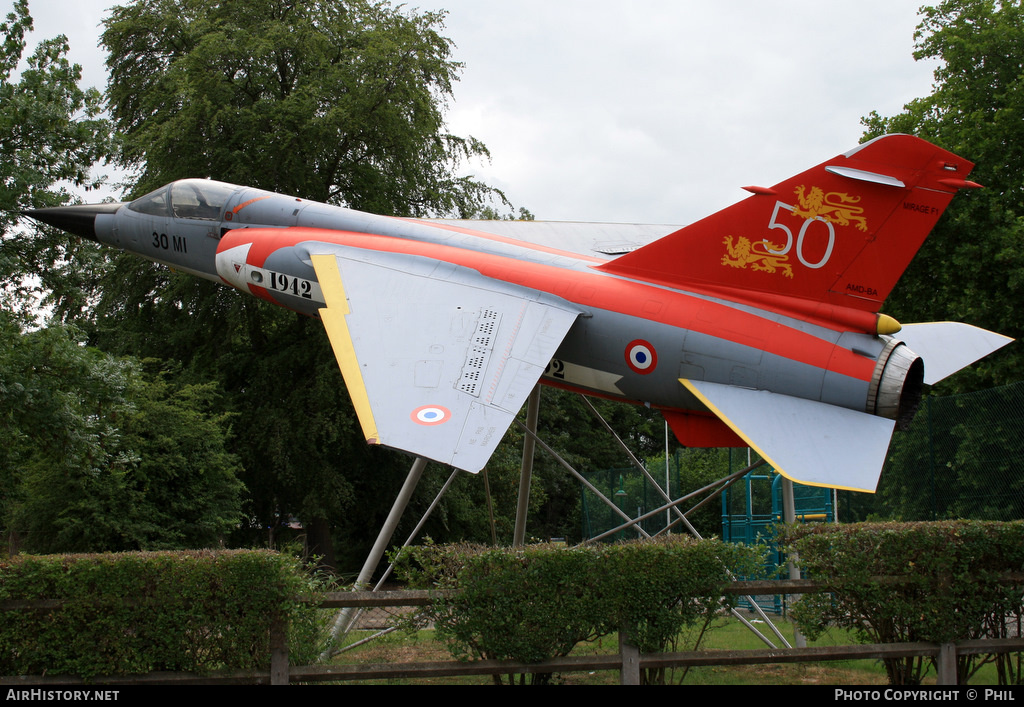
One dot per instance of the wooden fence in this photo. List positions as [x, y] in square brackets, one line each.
[628, 661]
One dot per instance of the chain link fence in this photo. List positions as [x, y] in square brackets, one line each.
[963, 457]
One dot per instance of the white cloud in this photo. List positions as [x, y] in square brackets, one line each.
[657, 110]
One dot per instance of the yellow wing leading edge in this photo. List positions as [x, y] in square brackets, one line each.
[333, 318]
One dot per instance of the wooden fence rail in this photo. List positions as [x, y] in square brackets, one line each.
[628, 661]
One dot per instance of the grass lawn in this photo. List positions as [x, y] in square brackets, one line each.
[727, 634]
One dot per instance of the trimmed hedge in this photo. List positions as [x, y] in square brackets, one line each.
[134, 613]
[531, 604]
[944, 581]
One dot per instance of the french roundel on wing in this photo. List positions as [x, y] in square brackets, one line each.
[431, 415]
[641, 356]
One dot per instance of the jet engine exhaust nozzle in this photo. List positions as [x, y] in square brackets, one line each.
[897, 384]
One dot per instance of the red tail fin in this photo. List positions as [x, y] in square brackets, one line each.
[841, 233]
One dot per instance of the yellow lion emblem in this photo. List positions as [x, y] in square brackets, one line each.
[835, 207]
[757, 255]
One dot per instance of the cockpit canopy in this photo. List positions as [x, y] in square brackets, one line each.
[187, 198]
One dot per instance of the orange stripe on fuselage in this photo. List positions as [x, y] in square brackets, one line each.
[592, 290]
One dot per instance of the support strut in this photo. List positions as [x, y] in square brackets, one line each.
[526, 473]
[377, 552]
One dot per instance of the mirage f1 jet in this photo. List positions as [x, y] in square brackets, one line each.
[758, 325]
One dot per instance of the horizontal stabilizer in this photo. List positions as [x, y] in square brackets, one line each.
[438, 359]
[946, 347]
[806, 441]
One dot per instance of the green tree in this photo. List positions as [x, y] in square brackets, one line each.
[971, 268]
[51, 134]
[55, 401]
[98, 455]
[94, 455]
[338, 102]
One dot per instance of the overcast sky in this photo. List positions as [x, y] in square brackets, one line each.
[652, 111]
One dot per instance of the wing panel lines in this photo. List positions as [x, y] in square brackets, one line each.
[508, 351]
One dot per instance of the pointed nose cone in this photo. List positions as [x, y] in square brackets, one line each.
[79, 219]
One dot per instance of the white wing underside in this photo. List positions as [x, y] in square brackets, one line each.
[806, 441]
[438, 359]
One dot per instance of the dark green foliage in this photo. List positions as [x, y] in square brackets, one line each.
[141, 612]
[98, 454]
[49, 127]
[525, 606]
[945, 582]
[333, 101]
[538, 602]
[571, 429]
[971, 268]
[654, 589]
[694, 469]
[95, 453]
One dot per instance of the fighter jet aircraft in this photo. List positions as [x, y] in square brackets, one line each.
[758, 325]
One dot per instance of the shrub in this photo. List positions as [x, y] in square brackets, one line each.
[128, 613]
[904, 582]
[535, 603]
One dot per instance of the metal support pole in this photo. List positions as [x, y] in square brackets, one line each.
[408, 541]
[579, 477]
[525, 475]
[377, 552]
[419, 526]
[673, 507]
[668, 490]
[789, 515]
[490, 508]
